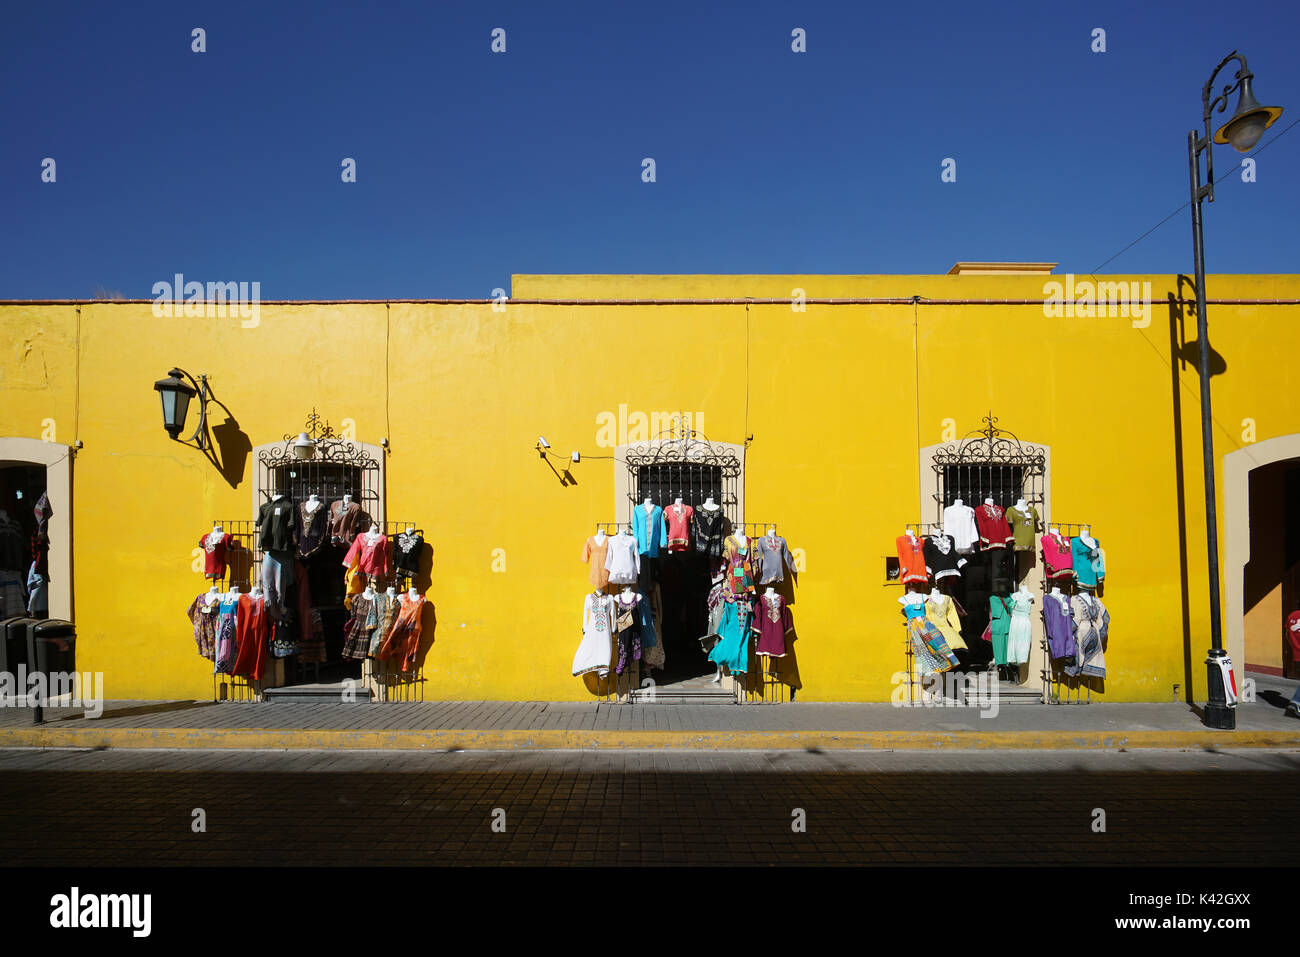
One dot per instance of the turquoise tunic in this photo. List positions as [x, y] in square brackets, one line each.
[733, 649]
[1089, 569]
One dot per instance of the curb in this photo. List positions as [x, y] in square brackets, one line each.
[514, 740]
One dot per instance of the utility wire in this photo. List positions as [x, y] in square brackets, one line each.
[1231, 172]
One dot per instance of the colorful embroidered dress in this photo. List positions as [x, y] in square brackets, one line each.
[203, 616]
[929, 648]
[593, 652]
[356, 636]
[385, 614]
[407, 550]
[371, 554]
[774, 626]
[678, 527]
[649, 610]
[740, 569]
[227, 638]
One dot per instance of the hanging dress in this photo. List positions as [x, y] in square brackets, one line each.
[713, 603]
[740, 567]
[1092, 626]
[732, 650]
[943, 615]
[929, 647]
[1020, 634]
[999, 628]
[203, 615]
[774, 626]
[1059, 625]
[253, 633]
[593, 652]
[652, 647]
[386, 614]
[403, 642]
[227, 640]
[356, 636]
[628, 631]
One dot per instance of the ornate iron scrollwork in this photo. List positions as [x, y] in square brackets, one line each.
[684, 451]
[330, 448]
[991, 446]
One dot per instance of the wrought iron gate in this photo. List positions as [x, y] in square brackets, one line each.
[989, 463]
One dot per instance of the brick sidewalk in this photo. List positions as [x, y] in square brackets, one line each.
[510, 725]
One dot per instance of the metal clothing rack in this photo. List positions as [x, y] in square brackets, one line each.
[243, 570]
[767, 689]
[1059, 687]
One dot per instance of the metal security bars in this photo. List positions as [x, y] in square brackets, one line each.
[989, 463]
[336, 468]
[691, 469]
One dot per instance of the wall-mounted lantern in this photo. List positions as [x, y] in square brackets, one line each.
[176, 393]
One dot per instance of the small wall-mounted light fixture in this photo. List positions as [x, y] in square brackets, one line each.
[576, 456]
[383, 443]
[303, 447]
[542, 446]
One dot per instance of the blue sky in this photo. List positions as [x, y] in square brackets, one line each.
[472, 165]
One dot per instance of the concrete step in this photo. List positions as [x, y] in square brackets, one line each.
[331, 693]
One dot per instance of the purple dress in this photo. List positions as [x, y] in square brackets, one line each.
[1060, 628]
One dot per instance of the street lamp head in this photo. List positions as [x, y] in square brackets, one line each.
[175, 393]
[1248, 122]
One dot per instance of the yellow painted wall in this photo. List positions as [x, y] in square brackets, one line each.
[839, 399]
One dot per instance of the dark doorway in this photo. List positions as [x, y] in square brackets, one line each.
[21, 487]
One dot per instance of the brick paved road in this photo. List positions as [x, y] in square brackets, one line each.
[332, 808]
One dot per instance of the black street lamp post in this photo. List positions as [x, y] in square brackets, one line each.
[1242, 132]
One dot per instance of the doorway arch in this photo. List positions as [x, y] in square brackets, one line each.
[56, 459]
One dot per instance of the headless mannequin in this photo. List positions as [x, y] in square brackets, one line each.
[648, 505]
[988, 501]
[369, 593]
[600, 536]
[1086, 534]
[412, 594]
[958, 502]
[710, 504]
[911, 534]
[313, 503]
[256, 592]
[391, 592]
[1021, 506]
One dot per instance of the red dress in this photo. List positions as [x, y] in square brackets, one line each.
[991, 521]
[679, 527]
[253, 633]
[1058, 556]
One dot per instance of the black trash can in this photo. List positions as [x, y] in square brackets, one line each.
[52, 652]
[13, 645]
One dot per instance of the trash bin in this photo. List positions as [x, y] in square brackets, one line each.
[13, 645]
[51, 651]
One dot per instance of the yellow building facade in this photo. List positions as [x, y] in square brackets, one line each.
[833, 391]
